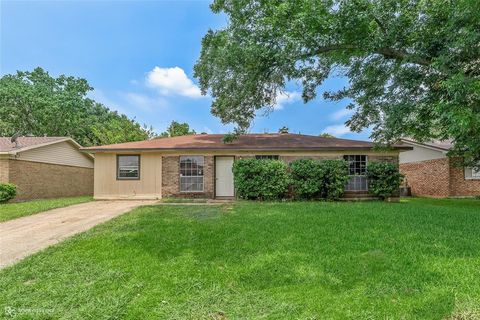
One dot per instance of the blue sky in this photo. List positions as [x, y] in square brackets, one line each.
[139, 57]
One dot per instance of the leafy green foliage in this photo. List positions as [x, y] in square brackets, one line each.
[384, 179]
[326, 135]
[260, 179]
[36, 103]
[8, 191]
[307, 176]
[334, 179]
[176, 129]
[412, 66]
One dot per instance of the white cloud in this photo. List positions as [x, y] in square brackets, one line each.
[99, 96]
[337, 130]
[286, 98]
[342, 113]
[144, 102]
[172, 81]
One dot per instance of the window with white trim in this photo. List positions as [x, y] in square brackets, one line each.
[191, 173]
[357, 166]
[475, 174]
[128, 167]
[266, 157]
[472, 174]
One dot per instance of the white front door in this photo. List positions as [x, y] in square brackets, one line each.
[224, 177]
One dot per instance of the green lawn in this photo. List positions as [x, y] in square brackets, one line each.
[10, 211]
[418, 259]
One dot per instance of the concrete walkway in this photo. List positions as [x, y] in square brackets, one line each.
[24, 236]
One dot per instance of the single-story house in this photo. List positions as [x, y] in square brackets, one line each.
[45, 167]
[201, 165]
[429, 171]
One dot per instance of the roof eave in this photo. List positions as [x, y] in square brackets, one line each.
[93, 150]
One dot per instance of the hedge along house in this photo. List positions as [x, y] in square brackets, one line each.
[200, 166]
[45, 167]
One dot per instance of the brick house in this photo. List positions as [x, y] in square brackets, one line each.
[45, 167]
[201, 165]
[430, 172]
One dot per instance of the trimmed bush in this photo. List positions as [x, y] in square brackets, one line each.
[335, 178]
[319, 179]
[384, 179]
[307, 176]
[261, 179]
[8, 191]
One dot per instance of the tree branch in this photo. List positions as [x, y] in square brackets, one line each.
[387, 53]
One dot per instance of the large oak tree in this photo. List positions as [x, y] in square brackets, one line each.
[413, 65]
[35, 103]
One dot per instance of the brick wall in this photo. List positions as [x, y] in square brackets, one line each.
[37, 180]
[171, 178]
[439, 178]
[4, 170]
[459, 186]
[428, 178]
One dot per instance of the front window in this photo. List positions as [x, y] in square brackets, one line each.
[128, 167]
[475, 174]
[266, 157]
[472, 173]
[357, 165]
[191, 173]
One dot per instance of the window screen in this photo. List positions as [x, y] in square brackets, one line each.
[266, 157]
[358, 173]
[128, 167]
[191, 173]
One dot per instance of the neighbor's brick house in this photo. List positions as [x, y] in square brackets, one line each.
[430, 172]
[45, 167]
[201, 165]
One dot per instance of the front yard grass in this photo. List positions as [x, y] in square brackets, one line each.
[418, 259]
[14, 210]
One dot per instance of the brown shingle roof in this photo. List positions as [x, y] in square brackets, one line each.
[438, 144]
[23, 142]
[257, 142]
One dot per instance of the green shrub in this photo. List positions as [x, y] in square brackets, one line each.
[313, 179]
[384, 179]
[8, 191]
[335, 178]
[307, 176]
[261, 179]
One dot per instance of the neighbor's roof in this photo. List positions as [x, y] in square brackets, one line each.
[27, 143]
[443, 145]
[277, 141]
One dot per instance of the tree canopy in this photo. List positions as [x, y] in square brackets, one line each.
[413, 65]
[36, 103]
[176, 129]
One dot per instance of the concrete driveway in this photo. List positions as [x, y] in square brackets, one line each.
[24, 236]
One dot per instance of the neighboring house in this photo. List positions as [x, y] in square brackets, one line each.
[430, 172]
[46, 167]
[201, 165]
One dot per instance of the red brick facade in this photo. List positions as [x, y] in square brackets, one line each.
[171, 173]
[35, 180]
[171, 178]
[439, 178]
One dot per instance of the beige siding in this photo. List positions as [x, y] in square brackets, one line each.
[4, 170]
[420, 153]
[63, 153]
[107, 186]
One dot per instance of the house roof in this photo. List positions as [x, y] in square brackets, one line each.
[442, 145]
[276, 141]
[27, 143]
